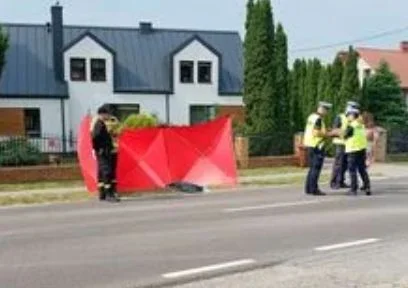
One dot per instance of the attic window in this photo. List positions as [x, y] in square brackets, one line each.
[204, 72]
[187, 72]
[78, 69]
[98, 70]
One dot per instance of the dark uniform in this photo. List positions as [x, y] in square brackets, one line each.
[340, 161]
[103, 147]
[356, 145]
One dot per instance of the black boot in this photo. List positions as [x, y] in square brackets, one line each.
[102, 194]
[113, 196]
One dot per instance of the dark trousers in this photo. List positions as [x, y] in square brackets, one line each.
[316, 160]
[114, 164]
[357, 163]
[104, 162]
[339, 167]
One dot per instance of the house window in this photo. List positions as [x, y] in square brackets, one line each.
[122, 111]
[32, 122]
[367, 73]
[204, 72]
[78, 69]
[187, 72]
[98, 70]
[201, 113]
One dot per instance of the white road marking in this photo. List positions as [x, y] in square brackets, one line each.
[347, 244]
[207, 269]
[274, 205]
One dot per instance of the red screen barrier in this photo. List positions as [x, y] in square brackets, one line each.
[155, 157]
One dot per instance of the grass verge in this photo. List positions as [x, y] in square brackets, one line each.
[39, 186]
[40, 198]
[270, 171]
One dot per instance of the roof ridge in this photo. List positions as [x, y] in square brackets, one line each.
[380, 49]
[154, 29]
[176, 30]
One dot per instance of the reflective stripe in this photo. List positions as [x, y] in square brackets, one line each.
[310, 140]
[100, 185]
[344, 124]
[107, 186]
[358, 141]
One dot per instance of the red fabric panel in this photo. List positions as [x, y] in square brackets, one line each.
[87, 159]
[155, 157]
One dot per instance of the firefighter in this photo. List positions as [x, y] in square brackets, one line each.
[103, 147]
[113, 126]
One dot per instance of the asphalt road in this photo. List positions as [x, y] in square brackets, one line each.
[181, 238]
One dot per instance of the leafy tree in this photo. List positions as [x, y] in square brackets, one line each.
[4, 44]
[384, 98]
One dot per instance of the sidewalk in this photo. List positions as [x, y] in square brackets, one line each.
[383, 170]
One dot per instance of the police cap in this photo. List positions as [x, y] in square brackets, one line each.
[353, 111]
[325, 105]
[353, 104]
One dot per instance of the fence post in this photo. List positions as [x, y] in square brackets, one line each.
[380, 152]
[242, 151]
[299, 149]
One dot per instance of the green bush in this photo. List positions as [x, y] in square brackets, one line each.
[18, 152]
[136, 121]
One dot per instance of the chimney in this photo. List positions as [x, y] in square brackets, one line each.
[57, 40]
[404, 46]
[146, 27]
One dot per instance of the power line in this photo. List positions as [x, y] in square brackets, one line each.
[351, 42]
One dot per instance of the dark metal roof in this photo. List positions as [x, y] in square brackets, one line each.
[142, 60]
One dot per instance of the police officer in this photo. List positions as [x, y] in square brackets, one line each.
[356, 145]
[103, 146]
[314, 140]
[340, 161]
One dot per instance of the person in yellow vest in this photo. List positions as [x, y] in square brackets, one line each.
[340, 161]
[356, 145]
[314, 140]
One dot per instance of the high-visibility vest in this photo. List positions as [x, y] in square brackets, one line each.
[358, 141]
[112, 125]
[344, 124]
[310, 140]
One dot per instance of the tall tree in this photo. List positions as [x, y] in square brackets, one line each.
[336, 77]
[385, 98]
[282, 111]
[311, 90]
[296, 93]
[259, 74]
[350, 86]
[4, 44]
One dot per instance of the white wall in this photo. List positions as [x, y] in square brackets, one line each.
[88, 96]
[186, 94]
[50, 113]
[361, 67]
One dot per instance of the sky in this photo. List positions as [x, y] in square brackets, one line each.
[308, 23]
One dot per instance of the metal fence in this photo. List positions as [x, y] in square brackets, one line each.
[18, 151]
[397, 141]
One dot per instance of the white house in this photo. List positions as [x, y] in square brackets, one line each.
[56, 74]
[397, 59]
